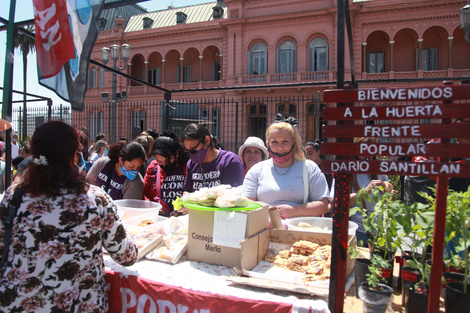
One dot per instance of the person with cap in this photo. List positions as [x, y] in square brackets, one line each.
[252, 152]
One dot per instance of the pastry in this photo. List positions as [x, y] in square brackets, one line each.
[304, 225]
[304, 247]
[145, 223]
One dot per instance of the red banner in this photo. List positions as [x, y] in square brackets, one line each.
[426, 93]
[388, 112]
[397, 168]
[397, 149]
[396, 130]
[132, 294]
[54, 42]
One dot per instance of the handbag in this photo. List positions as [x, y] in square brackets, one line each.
[13, 206]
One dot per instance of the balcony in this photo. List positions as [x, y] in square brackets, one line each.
[295, 78]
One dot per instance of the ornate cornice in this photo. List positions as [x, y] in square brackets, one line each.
[413, 19]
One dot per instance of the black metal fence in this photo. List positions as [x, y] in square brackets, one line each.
[232, 121]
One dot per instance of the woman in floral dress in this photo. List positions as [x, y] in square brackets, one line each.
[55, 260]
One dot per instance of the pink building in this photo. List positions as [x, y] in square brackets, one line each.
[234, 64]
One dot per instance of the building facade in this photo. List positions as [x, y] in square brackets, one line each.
[234, 64]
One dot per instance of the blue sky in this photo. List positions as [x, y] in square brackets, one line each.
[24, 11]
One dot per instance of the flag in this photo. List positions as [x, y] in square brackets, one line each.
[65, 34]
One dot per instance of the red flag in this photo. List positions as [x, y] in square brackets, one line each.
[54, 42]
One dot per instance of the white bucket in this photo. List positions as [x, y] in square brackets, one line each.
[132, 207]
[319, 224]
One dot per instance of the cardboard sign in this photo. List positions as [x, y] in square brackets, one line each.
[229, 228]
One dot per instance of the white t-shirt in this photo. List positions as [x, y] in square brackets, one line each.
[15, 149]
[275, 186]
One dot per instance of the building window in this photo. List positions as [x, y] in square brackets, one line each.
[137, 123]
[217, 12]
[101, 78]
[318, 59]
[96, 123]
[286, 57]
[92, 79]
[101, 23]
[181, 18]
[428, 59]
[216, 71]
[375, 62]
[257, 59]
[257, 120]
[147, 22]
[186, 74]
[288, 109]
[154, 76]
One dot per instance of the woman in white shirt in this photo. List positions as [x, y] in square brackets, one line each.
[296, 186]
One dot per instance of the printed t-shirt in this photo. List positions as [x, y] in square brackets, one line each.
[225, 169]
[171, 185]
[115, 187]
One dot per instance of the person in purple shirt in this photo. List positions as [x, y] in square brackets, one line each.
[208, 166]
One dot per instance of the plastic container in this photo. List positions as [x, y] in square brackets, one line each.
[319, 224]
[132, 207]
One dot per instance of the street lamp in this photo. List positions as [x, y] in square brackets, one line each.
[465, 20]
[115, 50]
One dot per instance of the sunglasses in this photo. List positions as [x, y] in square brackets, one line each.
[193, 150]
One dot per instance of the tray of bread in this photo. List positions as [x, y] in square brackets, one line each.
[219, 198]
[303, 264]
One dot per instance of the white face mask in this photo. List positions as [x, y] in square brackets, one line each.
[14, 139]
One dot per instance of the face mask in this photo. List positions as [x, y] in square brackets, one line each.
[105, 152]
[281, 158]
[198, 156]
[14, 139]
[169, 167]
[130, 174]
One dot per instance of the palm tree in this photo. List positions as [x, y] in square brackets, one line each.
[26, 44]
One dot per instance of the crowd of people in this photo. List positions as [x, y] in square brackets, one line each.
[66, 189]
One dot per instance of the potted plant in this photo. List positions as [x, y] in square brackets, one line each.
[458, 241]
[417, 224]
[383, 229]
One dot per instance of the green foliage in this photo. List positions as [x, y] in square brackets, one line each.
[382, 224]
[383, 229]
[457, 226]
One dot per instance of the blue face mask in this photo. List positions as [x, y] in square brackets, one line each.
[130, 174]
[105, 152]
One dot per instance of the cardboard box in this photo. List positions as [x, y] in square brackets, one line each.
[205, 229]
[254, 249]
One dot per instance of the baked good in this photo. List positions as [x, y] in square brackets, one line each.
[285, 254]
[304, 247]
[297, 263]
[270, 257]
[145, 223]
[304, 225]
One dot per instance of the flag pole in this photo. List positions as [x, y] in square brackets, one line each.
[5, 123]
[8, 73]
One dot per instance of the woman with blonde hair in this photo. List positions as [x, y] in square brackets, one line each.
[288, 181]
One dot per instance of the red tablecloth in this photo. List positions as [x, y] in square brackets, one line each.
[192, 287]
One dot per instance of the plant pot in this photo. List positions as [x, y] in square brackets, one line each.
[450, 277]
[410, 277]
[375, 300]
[362, 268]
[415, 302]
[456, 299]
[407, 255]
